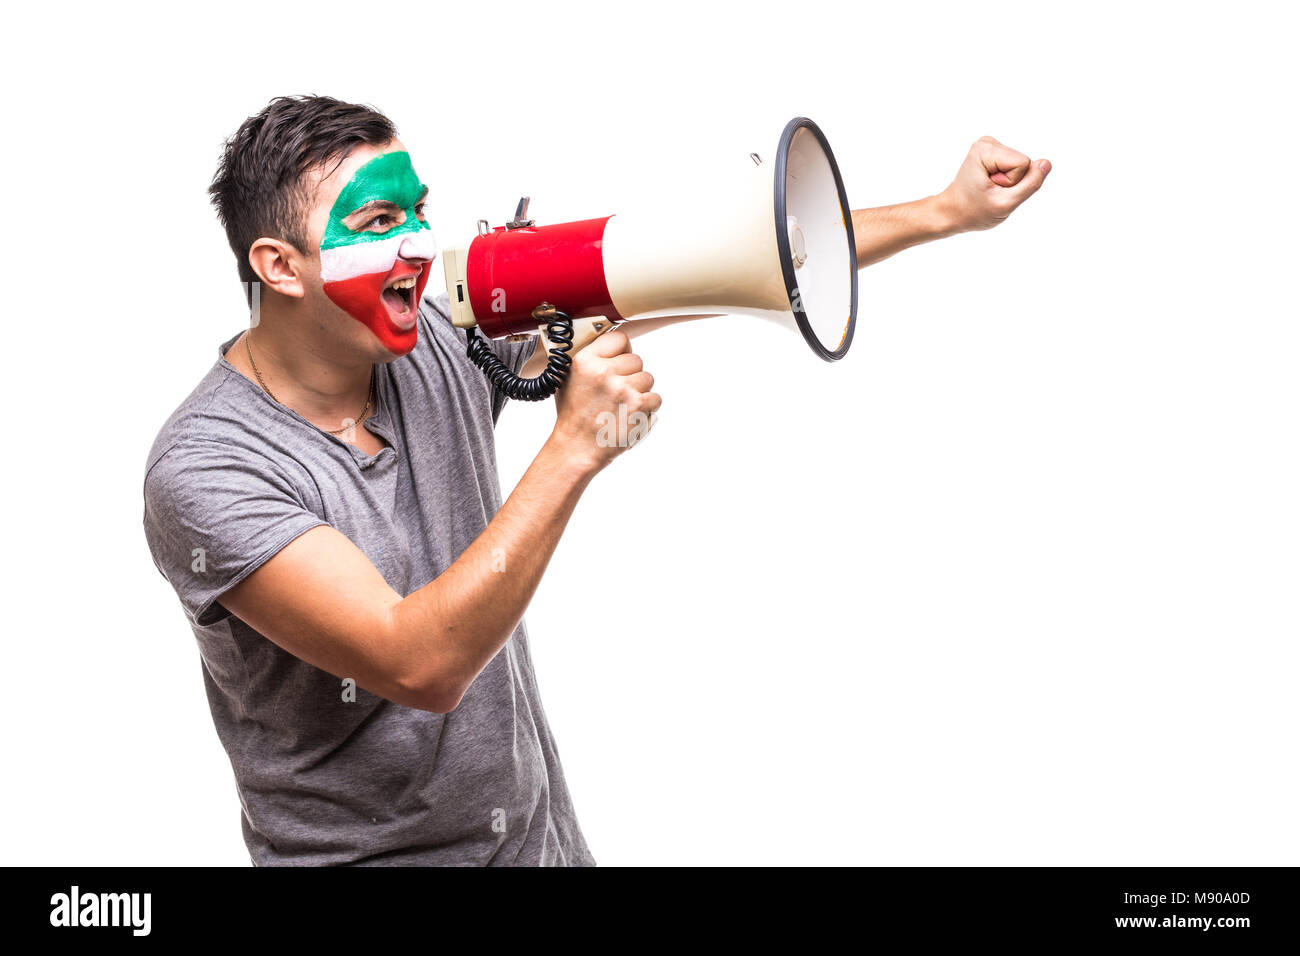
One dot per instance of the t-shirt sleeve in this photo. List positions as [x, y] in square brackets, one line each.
[214, 514]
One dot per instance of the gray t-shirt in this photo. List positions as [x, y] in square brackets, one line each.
[232, 478]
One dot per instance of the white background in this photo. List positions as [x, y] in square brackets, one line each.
[1015, 583]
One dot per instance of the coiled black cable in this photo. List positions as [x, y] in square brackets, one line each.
[559, 329]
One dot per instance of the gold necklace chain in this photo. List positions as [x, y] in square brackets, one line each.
[364, 412]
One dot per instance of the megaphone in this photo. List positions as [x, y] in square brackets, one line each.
[774, 241]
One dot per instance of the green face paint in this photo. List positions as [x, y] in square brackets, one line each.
[386, 178]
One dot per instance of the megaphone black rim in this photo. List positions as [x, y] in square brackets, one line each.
[783, 241]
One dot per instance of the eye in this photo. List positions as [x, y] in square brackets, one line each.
[419, 210]
[382, 221]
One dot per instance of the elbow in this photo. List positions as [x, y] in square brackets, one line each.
[442, 701]
[436, 694]
[434, 666]
[419, 677]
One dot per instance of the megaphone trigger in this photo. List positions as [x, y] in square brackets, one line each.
[585, 331]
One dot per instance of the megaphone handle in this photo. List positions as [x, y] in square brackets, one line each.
[585, 331]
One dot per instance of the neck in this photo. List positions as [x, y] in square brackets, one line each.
[323, 387]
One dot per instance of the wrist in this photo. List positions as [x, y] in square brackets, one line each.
[943, 215]
[571, 457]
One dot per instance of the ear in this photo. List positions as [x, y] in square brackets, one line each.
[279, 266]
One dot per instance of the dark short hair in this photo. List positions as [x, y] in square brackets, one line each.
[259, 187]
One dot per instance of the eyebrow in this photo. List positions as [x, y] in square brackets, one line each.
[384, 205]
[375, 205]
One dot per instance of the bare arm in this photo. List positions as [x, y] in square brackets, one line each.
[881, 232]
[991, 183]
[323, 601]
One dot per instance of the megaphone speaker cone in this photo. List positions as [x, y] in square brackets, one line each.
[814, 233]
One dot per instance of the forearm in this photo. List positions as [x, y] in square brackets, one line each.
[454, 625]
[880, 233]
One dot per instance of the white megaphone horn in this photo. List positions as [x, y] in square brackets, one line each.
[774, 240]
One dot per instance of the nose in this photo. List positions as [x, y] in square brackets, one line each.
[419, 245]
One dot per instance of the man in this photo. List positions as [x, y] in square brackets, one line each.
[326, 505]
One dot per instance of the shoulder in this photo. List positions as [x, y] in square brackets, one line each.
[221, 437]
[215, 410]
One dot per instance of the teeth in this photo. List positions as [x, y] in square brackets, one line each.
[407, 283]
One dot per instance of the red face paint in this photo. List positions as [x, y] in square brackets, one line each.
[363, 298]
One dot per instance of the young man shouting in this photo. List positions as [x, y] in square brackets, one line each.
[326, 505]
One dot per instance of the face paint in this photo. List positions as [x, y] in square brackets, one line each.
[362, 260]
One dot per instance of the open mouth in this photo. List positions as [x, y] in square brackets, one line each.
[399, 297]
